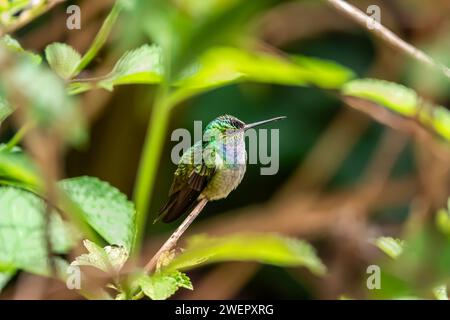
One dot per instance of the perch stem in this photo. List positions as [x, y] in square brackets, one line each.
[172, 241]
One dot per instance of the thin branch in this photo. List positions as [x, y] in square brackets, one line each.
[172, 241]
[21, 22]
[387, 35]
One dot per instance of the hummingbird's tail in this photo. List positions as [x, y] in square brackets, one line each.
[179, 203]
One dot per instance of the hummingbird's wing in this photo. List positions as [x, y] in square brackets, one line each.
[189, 181]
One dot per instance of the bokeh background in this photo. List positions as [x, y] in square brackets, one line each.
[344, 178]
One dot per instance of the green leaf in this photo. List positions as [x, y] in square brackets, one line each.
[63, 59]
[14, 46]
[109, 259]
[162, 285]
[225, 65]
[5, 276]
[105, 208]
[443, 221]
[402, 100]
[265, 248]
[390, 246]
[22, 232]
[440, 292]
[16, 169]
[183, 37]
[391, 95]
[50, 109]
[5, 109]
[142, 65]
[440, 120]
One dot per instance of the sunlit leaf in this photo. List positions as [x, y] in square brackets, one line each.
[440, 292]
[443, 221]
[402, 100]
[225, 65]
[440, 120]
[16, 169]
[23, 232]
[63, 59]
[392, 95]
[109, 259]
[264, 248]
[5, 276]
[200, 9]
[105, 208]
[143, 65]
[162, 285]
[392, 247]
[77, 87]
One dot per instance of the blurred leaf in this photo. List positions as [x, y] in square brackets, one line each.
[390, 246]
[183, 37]
[22, 232]
[63, 59]
[264, 248]
[440, 292]
[16, 169]
[440, 120]
[402, 100]
[5, 276]
[443, 221]
[226, 65]
[428, 80]
[50, 109]
[162, 285]
[78, 87]
[109, 259]
[143, 65]
[5, 109]
[14, 46]
[391, 95]
[105, 208]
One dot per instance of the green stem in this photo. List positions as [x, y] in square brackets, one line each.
[15, 140]
[101, 37]
[149, 163]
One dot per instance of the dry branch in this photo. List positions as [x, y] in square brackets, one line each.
[387, 35]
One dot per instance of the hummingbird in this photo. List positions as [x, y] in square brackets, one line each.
[211, 168]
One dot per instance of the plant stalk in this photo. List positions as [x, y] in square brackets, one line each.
[173, 239]
[148, 166]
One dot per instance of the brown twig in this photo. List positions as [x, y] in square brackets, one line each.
[387, 35]
[173, 239]
[28, 18]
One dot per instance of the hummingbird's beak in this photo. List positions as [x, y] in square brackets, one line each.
[252, 125]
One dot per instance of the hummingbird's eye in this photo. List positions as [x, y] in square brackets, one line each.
[236, 123]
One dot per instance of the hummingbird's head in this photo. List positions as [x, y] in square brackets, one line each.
[226, 125]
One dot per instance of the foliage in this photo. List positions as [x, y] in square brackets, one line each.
[162, 285]
[182, 58]
[392, 247]
[265, 248]
[109, 259]
[403, 101]
[105, 208]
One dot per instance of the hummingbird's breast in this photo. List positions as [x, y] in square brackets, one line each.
[223, 182]
[230, 164]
